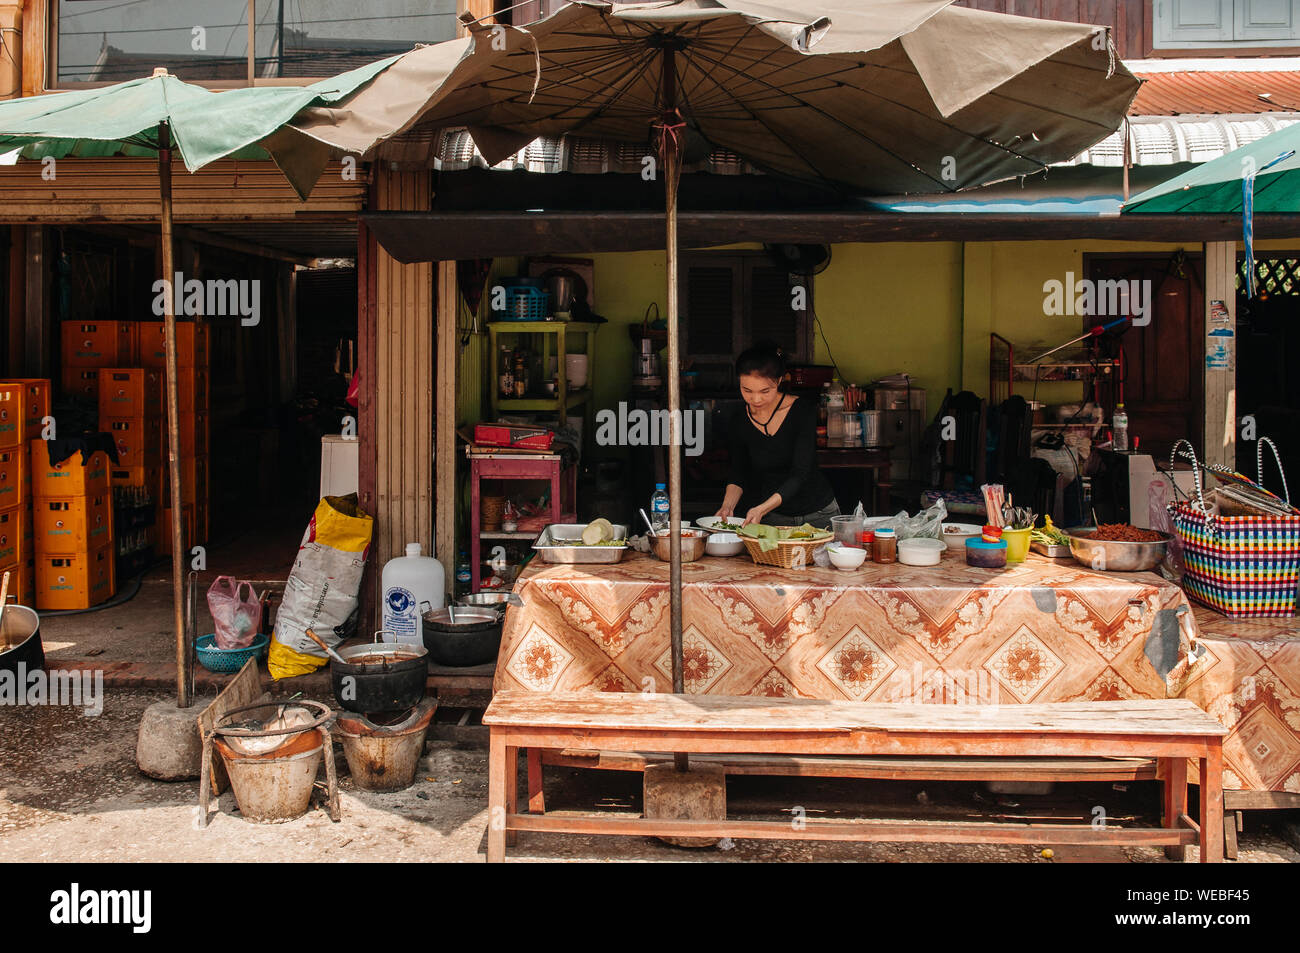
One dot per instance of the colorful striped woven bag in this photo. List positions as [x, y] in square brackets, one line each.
[1243, 566]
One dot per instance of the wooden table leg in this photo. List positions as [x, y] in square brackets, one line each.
[496, 832]
[1212, 803]
[536, 797]
[1231, 820]
[1175, 772]
[512, 790]
[205, 779]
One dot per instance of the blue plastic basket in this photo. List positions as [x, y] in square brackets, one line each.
[526, 304]
[227, 660]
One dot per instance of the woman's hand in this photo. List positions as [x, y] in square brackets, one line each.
[725, 512]
[754, 516]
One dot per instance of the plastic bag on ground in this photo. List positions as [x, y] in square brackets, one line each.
[321, 591]
[236, 612]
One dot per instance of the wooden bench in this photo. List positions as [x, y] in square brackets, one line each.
[1171, 731]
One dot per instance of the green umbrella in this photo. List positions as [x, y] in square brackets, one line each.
[1263, 176]
[144, 117]
[878, 96]
[1215, 187]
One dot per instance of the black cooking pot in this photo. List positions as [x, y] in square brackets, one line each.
[459, 637]
[380, 676]
[20, 640]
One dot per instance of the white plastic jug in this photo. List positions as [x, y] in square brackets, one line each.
[413, 584]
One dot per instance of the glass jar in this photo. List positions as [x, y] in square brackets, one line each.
[884, 546]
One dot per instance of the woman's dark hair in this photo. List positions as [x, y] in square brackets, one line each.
[765, 360]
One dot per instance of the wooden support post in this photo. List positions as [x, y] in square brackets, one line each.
[1212, 804]
[1219, 437]
[444, 454]
[496, 831]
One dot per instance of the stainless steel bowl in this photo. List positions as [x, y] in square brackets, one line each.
[1109, 556]
[692, 542]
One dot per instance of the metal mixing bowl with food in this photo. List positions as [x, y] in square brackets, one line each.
[1108, 555]
[692, 542]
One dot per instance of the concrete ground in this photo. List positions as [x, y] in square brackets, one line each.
[70, 791]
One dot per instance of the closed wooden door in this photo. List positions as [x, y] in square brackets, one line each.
[1163, 386]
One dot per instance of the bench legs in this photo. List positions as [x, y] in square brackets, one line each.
[536, 799]
[498, 795]
[1175, 772]
[1212, 805]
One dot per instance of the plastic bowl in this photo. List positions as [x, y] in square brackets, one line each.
[846, 557]
[986, 555]
[227, 660]
[921, 552]
[724, 544]
[956, 534]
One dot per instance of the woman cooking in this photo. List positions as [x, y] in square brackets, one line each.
[774, 450]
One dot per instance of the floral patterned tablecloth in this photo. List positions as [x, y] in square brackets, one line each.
[1246, 673]
[1045, 630]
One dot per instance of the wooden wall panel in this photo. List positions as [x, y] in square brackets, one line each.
[403, 384]
[36, 17]
[126, 190]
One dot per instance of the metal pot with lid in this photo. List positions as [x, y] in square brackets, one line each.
[460, 636]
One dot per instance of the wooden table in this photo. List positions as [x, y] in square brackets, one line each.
[873, 460]
[1171, 730]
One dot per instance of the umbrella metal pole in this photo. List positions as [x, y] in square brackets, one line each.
[184, 662]
[672, 172]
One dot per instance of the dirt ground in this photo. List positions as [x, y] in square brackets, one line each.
[70, 791]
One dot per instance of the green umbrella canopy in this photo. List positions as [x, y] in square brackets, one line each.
[1214, 188]
[205, 125]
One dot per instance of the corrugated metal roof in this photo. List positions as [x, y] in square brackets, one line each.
[1166, 140]
[1217, 92]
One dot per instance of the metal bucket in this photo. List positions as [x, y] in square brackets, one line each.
[275, 786]
[385, 757]
[20, 640]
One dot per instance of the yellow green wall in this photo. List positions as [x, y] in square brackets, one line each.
[923, 308]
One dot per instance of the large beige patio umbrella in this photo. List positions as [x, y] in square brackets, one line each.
[876, 96]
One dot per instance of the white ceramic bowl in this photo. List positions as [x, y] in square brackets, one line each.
[956, 541]
[709, 522]
[724, 544]
[846, 557]
[921, 552]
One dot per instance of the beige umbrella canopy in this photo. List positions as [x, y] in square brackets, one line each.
[876, 96]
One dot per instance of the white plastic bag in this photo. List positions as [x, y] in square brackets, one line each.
[926, 524]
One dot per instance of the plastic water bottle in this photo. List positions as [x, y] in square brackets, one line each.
[835, 413]
[1119, 427]
[413, 584]
[659, 509]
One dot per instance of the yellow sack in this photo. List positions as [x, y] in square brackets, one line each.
[321, 592]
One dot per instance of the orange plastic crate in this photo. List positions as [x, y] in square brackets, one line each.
[73, 524]
[194, 480]
[164, 524]
[22, 583]
[138, 439]
[69, 478]
[74, 580]
[27, 400]
[193, 389]
[15, 478]
[150, 476]
[194, 435]
[100, 343]
[130, 392]
[81, 383]
[191, 344]
[15, 536]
